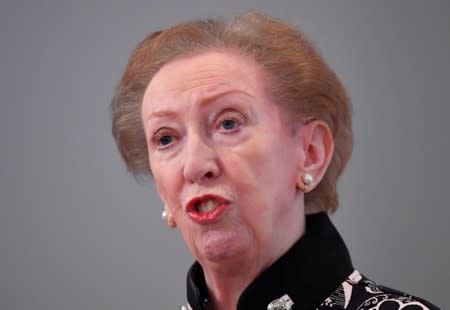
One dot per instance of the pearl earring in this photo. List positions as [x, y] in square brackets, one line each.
[306, 180]
[166, 216]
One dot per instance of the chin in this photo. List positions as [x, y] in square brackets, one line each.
[220, 246]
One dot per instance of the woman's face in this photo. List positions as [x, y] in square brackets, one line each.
[223, 157]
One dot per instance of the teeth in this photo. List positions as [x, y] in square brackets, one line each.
[208, 206]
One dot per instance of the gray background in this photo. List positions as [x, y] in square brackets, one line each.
[78, 232]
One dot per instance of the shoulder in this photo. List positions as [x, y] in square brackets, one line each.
[358, 292]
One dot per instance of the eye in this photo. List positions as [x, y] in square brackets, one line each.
[229, 124]
[163, 138]
[230, 120]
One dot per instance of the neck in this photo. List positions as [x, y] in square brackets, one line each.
[226, 281]
[225, 285]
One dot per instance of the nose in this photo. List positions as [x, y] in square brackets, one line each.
[201, 163]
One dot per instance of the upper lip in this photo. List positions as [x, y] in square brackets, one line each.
[191, 203]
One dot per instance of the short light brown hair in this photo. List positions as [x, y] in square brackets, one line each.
[299, 80]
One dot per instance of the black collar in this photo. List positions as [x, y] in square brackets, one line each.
[309, 272]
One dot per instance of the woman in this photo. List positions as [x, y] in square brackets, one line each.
[245, 130]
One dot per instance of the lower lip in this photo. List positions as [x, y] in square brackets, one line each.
[207, 217]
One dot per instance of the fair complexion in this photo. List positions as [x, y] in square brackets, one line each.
[227, 166]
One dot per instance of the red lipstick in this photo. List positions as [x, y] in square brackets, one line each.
[206, 217]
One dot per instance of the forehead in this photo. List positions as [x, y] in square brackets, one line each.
[205, 75]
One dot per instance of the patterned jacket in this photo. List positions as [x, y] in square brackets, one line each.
[315, 274]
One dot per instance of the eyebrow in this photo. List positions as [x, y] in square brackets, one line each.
[170, 113]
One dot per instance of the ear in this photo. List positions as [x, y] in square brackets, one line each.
[316, 149]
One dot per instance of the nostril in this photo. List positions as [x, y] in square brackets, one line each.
[209, 174]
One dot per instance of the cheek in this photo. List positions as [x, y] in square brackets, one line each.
[244, 164]
[261, 158]
[265, 164]
[165, 186]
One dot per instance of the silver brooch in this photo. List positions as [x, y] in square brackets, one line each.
[283, 303]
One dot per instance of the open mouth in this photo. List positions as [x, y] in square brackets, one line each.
[207, 205]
